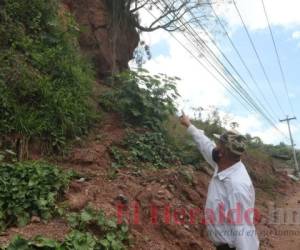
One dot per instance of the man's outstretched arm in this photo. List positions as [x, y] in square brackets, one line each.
[204, 144]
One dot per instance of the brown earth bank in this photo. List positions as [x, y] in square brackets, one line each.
[161, 203]
[109, 45]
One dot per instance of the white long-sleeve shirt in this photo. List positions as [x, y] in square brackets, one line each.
[228, 190]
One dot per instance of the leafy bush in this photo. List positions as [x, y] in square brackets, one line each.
[38, 243]
[151, 147]
[113, 236]
[44, 83]
[91, 230]
[185, 146]
[142, 99]
[27, 189]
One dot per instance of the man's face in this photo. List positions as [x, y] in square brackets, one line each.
[221, 148]
[219, 152]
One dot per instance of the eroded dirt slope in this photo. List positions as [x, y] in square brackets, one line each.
[153, 192]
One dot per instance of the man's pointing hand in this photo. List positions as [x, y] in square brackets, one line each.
[185, 120]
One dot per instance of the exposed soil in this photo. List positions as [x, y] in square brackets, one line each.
[285, 232]
[181, 187]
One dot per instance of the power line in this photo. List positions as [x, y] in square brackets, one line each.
[278, 57]
[242, 60]
[206, 68]
[246, 96]
[257, 56]
[238, 92]
[231, 65]
[235, 88]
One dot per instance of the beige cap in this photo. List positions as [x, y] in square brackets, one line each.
[234, 141]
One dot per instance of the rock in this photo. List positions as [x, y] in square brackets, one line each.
[96, 42]
[35, 219]
[77, 202]
[122, 186]
[171, 188]
[88, 156]
[160, 192]
[164, 194]
[122, 198]
[81, 180]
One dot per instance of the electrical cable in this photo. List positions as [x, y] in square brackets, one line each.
[258, 57]
[278, 57]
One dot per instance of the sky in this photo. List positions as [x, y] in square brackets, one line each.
[199, 89]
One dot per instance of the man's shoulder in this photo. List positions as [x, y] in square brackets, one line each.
[242, 176]
[239, 181]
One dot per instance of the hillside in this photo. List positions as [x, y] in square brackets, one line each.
[180, 187]
[122, 142]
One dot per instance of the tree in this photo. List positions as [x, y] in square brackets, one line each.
[170, 15]
[256, 141]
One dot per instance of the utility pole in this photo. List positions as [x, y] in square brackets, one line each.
[288, 119]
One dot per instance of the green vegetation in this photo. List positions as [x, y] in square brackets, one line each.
[29, 189]
[142, 100]
[151, 147]
[148, 148]
[44, 83]
[113, 236]
[91, 230]
[146, 102]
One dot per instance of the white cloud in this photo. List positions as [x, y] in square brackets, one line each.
[296, 35]
[151, 38]
[271, 135]
[248, 124]
[253, 125]
[197, 85]
[282, 13]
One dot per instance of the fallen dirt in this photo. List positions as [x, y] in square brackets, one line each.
[159, 201]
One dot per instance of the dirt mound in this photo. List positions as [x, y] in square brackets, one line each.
[144, 200]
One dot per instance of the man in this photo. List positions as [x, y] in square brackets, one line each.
[229, 208]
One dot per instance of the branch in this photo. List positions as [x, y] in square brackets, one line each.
[169, 10]
[136, 8]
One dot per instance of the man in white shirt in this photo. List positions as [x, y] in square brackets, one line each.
[229, 209]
